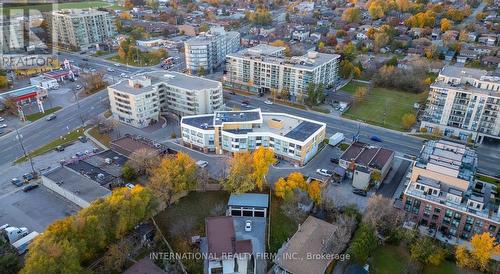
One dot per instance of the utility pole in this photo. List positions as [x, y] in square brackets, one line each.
[19, 138]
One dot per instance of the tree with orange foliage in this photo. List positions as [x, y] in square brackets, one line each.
[314, 191]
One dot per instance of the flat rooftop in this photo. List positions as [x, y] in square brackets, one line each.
[169, 78]
[264, 49]
[77, 184]
[249, 200]
[455, 157]
[308, 61]
[236, 116]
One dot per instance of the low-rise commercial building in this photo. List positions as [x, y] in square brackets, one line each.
[444, 196]
[140, 100]
[264, 68]
[292, 138]
[207, 51]
[361, 160]
[464, 103]
[80, 28]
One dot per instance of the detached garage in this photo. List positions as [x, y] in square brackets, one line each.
[248, 205]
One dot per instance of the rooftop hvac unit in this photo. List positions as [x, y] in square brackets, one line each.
[108, 161]
[100, 176]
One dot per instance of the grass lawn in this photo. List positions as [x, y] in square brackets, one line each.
[282, 227]
[68, 138]
[49, 7]
[35, 116]
[139, 63]
[391, 259]
[186, 218]
[488, 179]
[393, 102]
[103, 138]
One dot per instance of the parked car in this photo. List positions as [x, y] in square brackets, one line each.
[93, 70]
[82, 139]
[110, 69]
[334, 160]
[375, 138]
[59, 148]
[51, 117]
[267, 102]
[16, 182]
[232, 93]
[117, 65]
[201, 163]
[245, 102]
[3, 125]
[359, 192]
[123, 75]
[324, 172]
[28, 177]
[85, 59]
[129, 185]
[2, 119]
[30, 187]
[78, 87]
[248, 225]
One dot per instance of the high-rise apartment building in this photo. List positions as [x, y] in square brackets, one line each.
[264, 68]
[80, 28]
[208, 50]
[464, 103]
[140, 100]
[11, 32]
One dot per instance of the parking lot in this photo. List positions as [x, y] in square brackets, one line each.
[39, 207]
[35, 209]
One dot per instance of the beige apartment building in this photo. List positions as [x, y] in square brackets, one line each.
[444, 197]
[140, 100]
[265, 68]
[80, 28]
[292, 138]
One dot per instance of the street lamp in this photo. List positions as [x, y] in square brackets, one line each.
[78, 106]
[19, 137]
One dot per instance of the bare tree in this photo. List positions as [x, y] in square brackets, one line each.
[340, 236]
[182, 227]
[143, 160]
[381, 214]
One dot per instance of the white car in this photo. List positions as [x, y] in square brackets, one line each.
[3, 125]
[92, 70]
[129, 185]
[267, 102]
[117, 65]
[248, 225]
[110, 70]
[2, 119]
[201, 163]
[324, 172]
[78, 87]
[123, 75]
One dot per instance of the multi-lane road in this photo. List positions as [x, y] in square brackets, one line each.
[41, 132]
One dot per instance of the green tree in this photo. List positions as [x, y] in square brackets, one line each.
[315, 94]
[201, 71]
[426, 251]
[204, 27]
[128, 173]
[363, 244]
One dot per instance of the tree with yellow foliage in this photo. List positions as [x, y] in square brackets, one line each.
[297, 179]
[281, 43]
[446, 24]
[483, 248]
[351, 15]
[263, 158]
[376, 10]
[280, 188]
[173, 175]
[125, 16]
[314, 191]
[408, 120]
[241, 173]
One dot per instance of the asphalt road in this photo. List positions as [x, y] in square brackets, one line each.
[488, 159]
[42, 132]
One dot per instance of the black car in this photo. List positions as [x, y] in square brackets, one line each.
[334, 160]
[82, 139]
[29, 188]
[59, 148]
[359, 192]
[85, 59]
[51, 117]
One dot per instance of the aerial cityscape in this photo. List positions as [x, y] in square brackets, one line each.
[250, 136]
